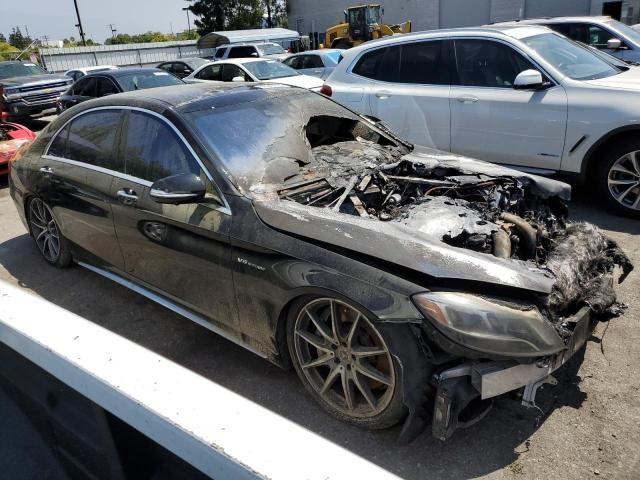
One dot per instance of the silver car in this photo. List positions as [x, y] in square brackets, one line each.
[318, 63]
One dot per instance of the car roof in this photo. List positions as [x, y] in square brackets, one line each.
[322, 51]
[187, 97]
[526, 21]
[246, 44]
[127, 71]
[241, 61]
[513, 30]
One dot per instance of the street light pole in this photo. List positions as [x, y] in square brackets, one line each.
[79, 25]
[186, 9]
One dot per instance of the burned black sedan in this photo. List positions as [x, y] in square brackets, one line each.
[401, 283]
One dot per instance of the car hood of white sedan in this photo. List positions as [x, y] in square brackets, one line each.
[629, 80]
[304, 81]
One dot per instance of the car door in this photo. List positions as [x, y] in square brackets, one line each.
[76, 174]
[493, 121]
[181, 251]
[409, 90]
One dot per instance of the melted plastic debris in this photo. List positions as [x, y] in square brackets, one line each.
[501, 215]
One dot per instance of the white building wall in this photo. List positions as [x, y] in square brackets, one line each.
[317, 15]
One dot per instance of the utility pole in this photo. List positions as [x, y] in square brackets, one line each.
[79, 24]
[186, 9]
[113, 30]
[26, 29]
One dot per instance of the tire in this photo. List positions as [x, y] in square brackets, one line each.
[618, 178]
[46, 234]
[317, 353]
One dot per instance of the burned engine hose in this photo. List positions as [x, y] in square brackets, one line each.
[501, 244]
[526, 232]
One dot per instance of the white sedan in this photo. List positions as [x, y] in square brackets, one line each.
[253, 70]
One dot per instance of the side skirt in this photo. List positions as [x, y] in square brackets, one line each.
[165, 302]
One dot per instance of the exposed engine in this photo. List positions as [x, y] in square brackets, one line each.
[503, 215]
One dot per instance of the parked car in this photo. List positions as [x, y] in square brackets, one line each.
[78, 73]
[518, 95]
[253, 70]
[101, 84]
[317, 63]
[13, 137]
[604, 33]
[248, 50]
[392, 276]
[27, 91]
[182, 67]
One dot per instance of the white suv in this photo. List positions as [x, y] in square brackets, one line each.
[524, 96]
[603, 33]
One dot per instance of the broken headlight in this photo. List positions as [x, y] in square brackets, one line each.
[490, 325]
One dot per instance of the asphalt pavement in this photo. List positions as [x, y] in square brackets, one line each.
[587, 426]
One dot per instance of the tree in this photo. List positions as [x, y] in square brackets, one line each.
[3, 39]
[276, 12]
[214, 15]
[18, 40]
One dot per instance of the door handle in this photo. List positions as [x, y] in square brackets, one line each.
[467, 99]
[46, 170]
[383, 94]
[127, 196]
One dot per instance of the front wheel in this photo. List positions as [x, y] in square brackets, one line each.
[47, 235]
[345, 363]
[618, 178]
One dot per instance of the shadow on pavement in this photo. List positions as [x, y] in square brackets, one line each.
[490, 445]
[586, 208]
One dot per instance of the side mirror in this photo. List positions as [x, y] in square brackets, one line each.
[238, 79]
[614, 44]
[528, 80]
[177, 189]
[254, 54]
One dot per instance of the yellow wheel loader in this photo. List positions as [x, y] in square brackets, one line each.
[362, 23]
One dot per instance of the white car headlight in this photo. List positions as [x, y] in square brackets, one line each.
[490, 325]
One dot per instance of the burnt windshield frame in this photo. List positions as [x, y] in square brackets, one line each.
[250, 153]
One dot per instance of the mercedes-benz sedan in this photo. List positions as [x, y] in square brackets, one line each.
[396, 279]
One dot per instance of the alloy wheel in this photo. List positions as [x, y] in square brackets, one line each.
[45, 230]
[344, 358]
[624, 180]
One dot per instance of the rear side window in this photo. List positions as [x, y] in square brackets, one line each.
[485, 63]
[242, 52]
[58, 147]
[230, 71]
[211, 72]
[381, 64]
[220, 52]
[152, 150]
[92, 139]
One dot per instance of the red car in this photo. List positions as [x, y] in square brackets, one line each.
[12, 137]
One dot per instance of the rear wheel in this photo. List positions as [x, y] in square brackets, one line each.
[46, 233]
[345, 363]
[618, 178]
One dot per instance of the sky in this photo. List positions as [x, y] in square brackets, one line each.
[57, 18]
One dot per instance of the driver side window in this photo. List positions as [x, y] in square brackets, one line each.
[485, 63]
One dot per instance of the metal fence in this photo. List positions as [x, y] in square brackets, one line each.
[132, 54]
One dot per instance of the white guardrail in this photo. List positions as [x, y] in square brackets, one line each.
[217, 431]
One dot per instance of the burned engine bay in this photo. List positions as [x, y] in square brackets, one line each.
[463, 203]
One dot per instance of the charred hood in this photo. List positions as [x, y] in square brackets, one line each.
[448, 217]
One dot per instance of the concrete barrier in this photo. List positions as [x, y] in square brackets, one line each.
[219, 432]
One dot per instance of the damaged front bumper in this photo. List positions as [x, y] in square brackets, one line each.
[463, 391]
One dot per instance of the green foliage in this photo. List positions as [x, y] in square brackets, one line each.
[73, 42]
[3, 39]
[8, 52]
[214, 15]
[276, 13]
[18, 40]
[148, 37]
